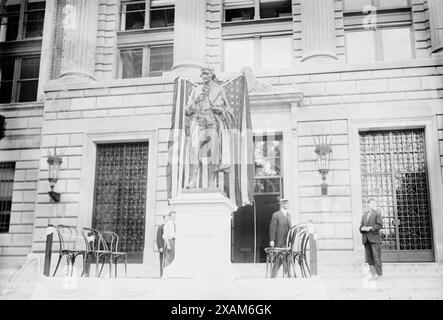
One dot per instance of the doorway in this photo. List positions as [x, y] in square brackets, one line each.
[250, 226]
[394, 172]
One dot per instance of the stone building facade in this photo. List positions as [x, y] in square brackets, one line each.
[105, 91]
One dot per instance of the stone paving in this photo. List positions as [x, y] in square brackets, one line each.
[337, 282]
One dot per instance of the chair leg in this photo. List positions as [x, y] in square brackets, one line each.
[110, 266]
[86, 266]
[307, 266]
[97, 257]
[58, 263]
[103, 264]
[302, 267]
[68, 261]
[83, 271]
[115, 266]
[126, 265]
[72, 264]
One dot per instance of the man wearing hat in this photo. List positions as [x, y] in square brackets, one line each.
[278, 231]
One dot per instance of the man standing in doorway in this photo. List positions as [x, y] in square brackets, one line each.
[169, 238]
[161, 243]
[278, 231]
[371, 223]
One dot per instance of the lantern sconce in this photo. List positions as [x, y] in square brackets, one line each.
[54, 163]
[323, 150]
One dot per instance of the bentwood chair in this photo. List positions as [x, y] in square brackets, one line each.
[298, 239]
[68, 246]
[96, 248]
[277, 255]
[112, 240]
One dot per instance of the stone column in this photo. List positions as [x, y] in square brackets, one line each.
[80, 23]
[436, 25]
[318, 30]
[189, 36]
[47, 53]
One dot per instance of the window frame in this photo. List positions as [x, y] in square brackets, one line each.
[144, 38]
[256, 16]
[22, 20]
[387, 18]
[15, 94]
[257, 48]
[148, 9]
[146, 49]
[20, 49]
[376, 4]
[267, 137]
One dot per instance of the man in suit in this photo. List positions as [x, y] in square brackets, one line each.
[371, 223]
[169, 238]
[161, 243]
[278, 231]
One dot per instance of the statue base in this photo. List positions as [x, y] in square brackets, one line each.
[203, 236]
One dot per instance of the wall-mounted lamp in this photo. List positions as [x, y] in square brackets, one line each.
[323, 150]
[54, 163]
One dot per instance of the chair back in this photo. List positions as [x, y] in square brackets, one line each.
[298, 238]
[93, 240]
[68, 237]
[112, 240]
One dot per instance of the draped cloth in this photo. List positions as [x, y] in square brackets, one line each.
[235, 176]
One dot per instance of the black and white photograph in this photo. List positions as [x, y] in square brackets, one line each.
[221, 150]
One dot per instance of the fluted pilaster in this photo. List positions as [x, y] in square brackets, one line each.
[436, 25]
[318, 30]
[189, 35]
[80, 38]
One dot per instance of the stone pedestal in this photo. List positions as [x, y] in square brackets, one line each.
[203, 236]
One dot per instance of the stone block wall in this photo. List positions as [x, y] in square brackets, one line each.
[21, 145]
[334, 95]
[332, 214]
[122, 106]
[108, 25]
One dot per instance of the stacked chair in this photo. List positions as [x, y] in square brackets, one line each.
[97, 247]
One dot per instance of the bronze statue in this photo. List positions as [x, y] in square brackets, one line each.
[210, 142]
[209, 113]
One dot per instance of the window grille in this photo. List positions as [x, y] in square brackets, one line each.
[120, 194]
[7, 171]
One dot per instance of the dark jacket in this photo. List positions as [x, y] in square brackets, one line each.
[376, 222]
[279, 228]
[160, 240]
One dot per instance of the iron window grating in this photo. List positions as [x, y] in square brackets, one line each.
[7, 171]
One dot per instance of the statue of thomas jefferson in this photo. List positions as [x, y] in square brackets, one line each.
[210, 142]
[209, 116]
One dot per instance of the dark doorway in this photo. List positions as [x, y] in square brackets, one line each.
[250, 228]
